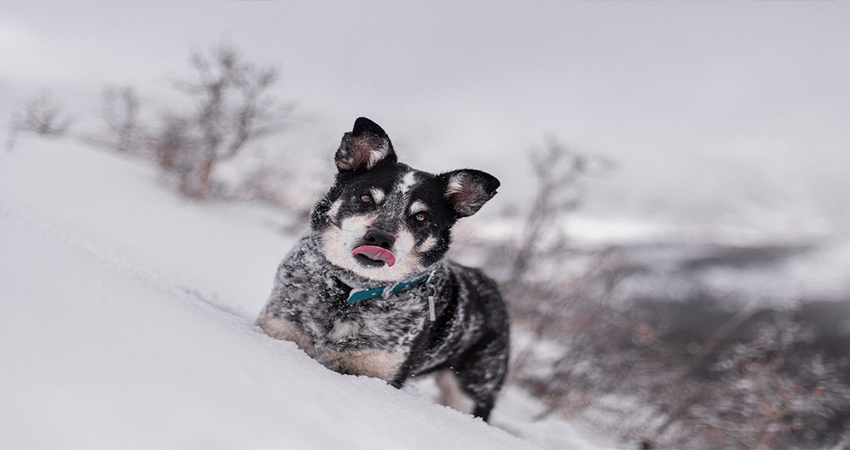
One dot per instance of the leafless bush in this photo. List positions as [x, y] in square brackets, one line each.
[769, 391]
[43, 116]
[560, 174]
[556, 301]
[593, 351]
[121, 113]
[234, 107]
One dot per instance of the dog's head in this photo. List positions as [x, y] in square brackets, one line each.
[385, 221]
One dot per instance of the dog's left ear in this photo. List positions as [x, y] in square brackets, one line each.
[363, 147]
[468, 190]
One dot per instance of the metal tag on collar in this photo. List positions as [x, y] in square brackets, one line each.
[432, 313]
[430, 275]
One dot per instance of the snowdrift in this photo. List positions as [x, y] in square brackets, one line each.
[126, 320]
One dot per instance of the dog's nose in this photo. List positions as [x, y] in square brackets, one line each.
[379, 238]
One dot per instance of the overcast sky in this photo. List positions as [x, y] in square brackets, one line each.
[710, 109]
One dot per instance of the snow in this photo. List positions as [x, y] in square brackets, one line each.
[126, 320]
[120, 204]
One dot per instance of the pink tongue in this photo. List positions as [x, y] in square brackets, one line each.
[376, 253]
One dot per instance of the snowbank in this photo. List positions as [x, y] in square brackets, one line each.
[126, 321]
[100, 349]
[97, 353]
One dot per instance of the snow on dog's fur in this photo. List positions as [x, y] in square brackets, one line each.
[382, 223]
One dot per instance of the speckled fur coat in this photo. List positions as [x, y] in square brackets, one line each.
[393, 338]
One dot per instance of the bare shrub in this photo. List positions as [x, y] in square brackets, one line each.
[43, 116]
[234, 107]
[594, 350]
[559, 173]
[770, 391]
[123, 130]
[552, 299]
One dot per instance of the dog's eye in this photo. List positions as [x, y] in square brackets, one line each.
[366, 198]
[420, 217]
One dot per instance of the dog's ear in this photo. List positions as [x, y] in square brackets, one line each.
[468, 190]
[363, 147]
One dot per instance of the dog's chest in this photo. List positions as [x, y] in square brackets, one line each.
[314, 300]
[390, 323]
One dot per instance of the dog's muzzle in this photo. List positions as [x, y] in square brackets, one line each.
[375, 249]
[372, 255]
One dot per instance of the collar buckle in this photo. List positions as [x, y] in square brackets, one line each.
[359, 295]
[389, 290]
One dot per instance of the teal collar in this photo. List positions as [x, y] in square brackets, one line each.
[359, 295]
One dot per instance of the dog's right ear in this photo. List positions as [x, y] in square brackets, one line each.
[363, 147]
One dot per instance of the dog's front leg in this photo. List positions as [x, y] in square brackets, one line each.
[280, 328]
[370, 362]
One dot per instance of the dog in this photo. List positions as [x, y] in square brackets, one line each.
[368, 291]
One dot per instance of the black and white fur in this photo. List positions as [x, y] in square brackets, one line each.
[379, 201]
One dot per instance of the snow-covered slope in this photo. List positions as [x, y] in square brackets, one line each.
[226, 252]
[126, 321]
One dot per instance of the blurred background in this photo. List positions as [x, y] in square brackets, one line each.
[673, 228]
